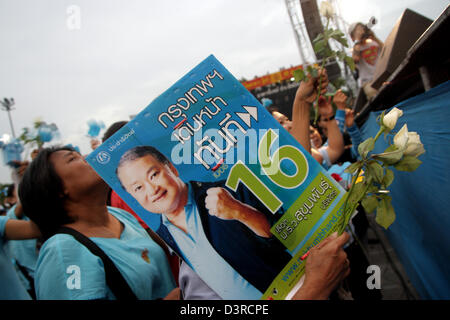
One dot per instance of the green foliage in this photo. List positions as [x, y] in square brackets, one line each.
[299, 75]
[372, 192]
[385, 212]
[354, 167]
[388, 178]
[370, 203]
[390, 156]
[366, 146]
[408, 163]
[375, 171]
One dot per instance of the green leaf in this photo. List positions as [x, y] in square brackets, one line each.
[372, 189]
[408, 163]
[312, 71]
[341, 55]
[319, 46]
[299, 75]
[318, 38]
[339, 37]
[350, 62]
[390, 156]
[354, 167]
[388, 178]
[357, 193]
[391, 148]
[385, 212]
[366, 146]
[327, 33]
[370, 203]
[376, 171]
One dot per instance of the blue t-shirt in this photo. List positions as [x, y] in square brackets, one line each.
[24, 252]
[67, 270]
[11, 288]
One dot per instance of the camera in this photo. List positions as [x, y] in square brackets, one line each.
[367, 28]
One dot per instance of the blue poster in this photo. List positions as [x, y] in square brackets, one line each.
[223, 184]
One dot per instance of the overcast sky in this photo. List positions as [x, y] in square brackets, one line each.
[70, 61]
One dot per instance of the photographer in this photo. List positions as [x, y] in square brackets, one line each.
[365, 53]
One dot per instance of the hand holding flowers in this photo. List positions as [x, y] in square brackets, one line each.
[371, 188]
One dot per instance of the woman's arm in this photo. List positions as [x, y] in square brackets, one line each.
[21, 230]
[304, 97]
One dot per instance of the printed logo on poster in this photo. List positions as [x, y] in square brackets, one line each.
[103, 157]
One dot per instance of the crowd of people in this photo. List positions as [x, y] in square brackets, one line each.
[67, 235]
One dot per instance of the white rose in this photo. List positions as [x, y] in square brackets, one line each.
[401, 138]
[390, 119]
[414, 147]
[409, 142]
[326, 9]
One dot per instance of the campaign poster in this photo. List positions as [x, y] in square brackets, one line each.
[209, 169]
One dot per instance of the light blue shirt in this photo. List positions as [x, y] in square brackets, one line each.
[67, 270]
[206, 262]
[23, 251]
[11, 288]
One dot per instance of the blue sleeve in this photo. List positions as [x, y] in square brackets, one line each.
[355, 136]
[3, 220]
[66, 270]
[326, 162]
[340, 118]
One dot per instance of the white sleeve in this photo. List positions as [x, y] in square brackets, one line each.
[192, 287]
[326, 158]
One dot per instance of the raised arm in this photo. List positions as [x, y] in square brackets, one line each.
[304, 97]
[223, 205]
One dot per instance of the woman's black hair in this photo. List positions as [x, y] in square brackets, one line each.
[113, 129]
[41, 193]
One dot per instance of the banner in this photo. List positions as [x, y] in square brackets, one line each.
[223, 184]
[420, 234]
[271, 78]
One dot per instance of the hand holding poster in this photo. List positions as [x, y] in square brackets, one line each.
[223, 184]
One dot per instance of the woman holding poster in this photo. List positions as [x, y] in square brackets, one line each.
[60, 189]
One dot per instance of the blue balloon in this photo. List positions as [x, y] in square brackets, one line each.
[45, 134]
[95, 127]
[12, 152]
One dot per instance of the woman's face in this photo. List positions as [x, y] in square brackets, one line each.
[358, 33]
[283, 120]
[315, 137]
[75, 173]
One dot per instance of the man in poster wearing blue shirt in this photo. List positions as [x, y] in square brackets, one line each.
[223, 235]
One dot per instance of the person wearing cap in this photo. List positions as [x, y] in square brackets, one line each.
[365, 53]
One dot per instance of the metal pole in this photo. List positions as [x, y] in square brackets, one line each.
[7, 104]
[11, 124]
